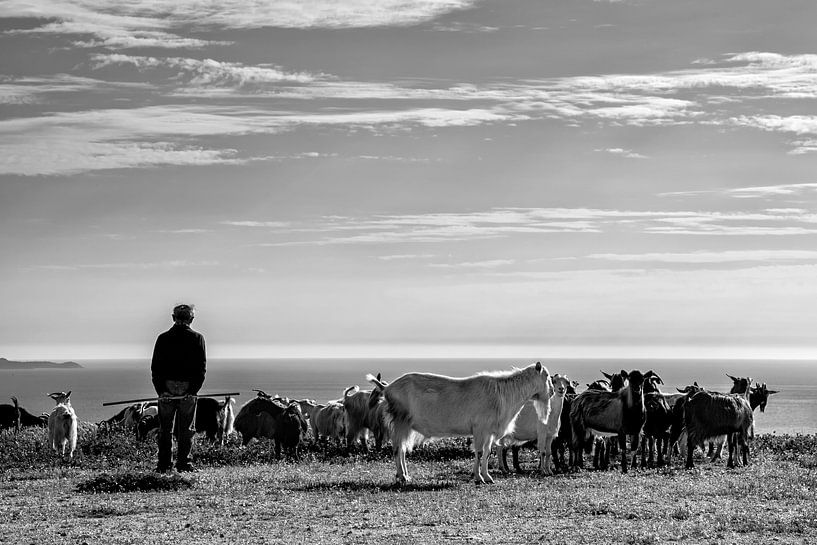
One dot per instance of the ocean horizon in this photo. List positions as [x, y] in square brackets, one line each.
[792, 410]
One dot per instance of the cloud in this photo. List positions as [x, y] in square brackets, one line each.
[207, 72]
[35, 90]
[265, 224]
[728, 256]
[629, 154]
[73, 142]
[117, 24]
[175, 264]
[753, 192]
[172, 134]
[514, 222]
[488, 264]
[405, 256]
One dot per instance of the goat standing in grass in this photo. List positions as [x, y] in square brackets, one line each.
[483, 406]
[10, 416]
[708, 415]
[620, 413]
[532, 426]
[62, 426]
[362, 417]
[327, 421]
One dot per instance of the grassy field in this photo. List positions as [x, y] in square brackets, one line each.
[243, 496]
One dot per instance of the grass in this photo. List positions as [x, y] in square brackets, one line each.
[109, 495]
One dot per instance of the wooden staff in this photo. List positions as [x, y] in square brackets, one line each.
[106, 403]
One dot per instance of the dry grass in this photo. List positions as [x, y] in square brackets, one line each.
[242, 496]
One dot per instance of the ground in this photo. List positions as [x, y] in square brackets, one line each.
[243, 496]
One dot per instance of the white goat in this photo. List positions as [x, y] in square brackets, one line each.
[62, 426]
[532, 425]
[483, 406]
[327, 421]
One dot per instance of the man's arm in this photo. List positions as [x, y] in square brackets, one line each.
[197, 380]
[157, 367]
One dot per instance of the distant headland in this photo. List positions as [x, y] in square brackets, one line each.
[9, 364]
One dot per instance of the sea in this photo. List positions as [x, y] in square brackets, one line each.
[792, 410]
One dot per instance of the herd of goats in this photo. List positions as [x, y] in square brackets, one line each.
[504, 409]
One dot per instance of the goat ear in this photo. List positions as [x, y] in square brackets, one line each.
[378, 377]
[539, 366]
[608, 377]
[733, 378]
[680, 390]
[770, 392]
[624, 374]
[696, 384]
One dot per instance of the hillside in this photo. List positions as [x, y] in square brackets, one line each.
[10, 364]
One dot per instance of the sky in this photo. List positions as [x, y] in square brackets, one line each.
[392, 178]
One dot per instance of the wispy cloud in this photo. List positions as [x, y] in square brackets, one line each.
[174, 264]
[265, 224]
[69, 143]
[510, 222]
[626, 153]
[400, 257]
[728, 256]
[487, 264]
[173, 134]
[754, 192]
[118, 24]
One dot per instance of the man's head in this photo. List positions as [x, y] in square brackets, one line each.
[184, 314]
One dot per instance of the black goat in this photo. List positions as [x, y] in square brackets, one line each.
[619, 413]
[709, 415]
[10, 415]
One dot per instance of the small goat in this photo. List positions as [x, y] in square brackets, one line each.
[62, 426]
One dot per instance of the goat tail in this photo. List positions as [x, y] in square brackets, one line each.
[16, 404]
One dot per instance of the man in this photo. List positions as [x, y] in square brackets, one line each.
[178, 369]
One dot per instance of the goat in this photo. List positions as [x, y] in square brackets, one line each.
[247, 421]
[658, 421]
[10, 415]
[226, 418]
[147, 424]
[482, 406]
[361, 418]
[563, 439]
[709, 414]
[759, 396]
[601, 385]
[327, 421]
[286, 428]
[619, 413]
[530, 425]
[617, 381]
[62, 426]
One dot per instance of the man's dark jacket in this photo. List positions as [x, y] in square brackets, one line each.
[179, 355]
